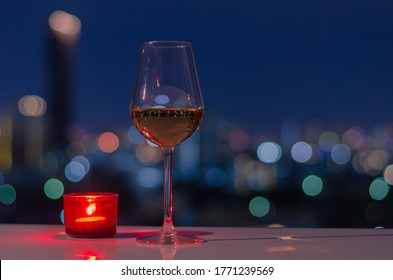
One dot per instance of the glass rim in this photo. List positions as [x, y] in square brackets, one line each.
[89, 194]
[166, 44]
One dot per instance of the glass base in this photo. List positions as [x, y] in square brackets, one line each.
[176, 239]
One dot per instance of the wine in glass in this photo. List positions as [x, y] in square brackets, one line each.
[167, 108]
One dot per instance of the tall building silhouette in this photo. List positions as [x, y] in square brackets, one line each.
[64, 31]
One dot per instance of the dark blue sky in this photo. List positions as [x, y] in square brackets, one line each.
[260, 62]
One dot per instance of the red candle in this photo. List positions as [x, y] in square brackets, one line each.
[90, 214]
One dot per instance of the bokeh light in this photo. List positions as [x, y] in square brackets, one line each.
[301, 152]
[88, 143]
[74, 171]
[215, 177]
[341, 154]
[148, 154]
[312, 185]
[358, 162]
[151, 143]
[379, 189]
[259, 177]
[269, 152]
[327, 140]
[149, 177]
[134, 136]
[162, 99]
[354, 138]
[376, 161]
[240, 173]
[62, 216]
[238, 139]
[370, 162]
[67, 26]
[388, 174]
[108, 142]
[54, 188]
[84, 161]
[259, 206]
[7, 194]
[32, 106]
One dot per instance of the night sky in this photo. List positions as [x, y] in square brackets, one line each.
[260, 62]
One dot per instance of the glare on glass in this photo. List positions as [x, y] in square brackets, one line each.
[167, 108]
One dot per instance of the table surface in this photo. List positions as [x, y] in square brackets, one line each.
[46, 242]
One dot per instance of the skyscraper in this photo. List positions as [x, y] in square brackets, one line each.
[64, 31]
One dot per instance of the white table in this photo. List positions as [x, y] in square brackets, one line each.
[45, 242]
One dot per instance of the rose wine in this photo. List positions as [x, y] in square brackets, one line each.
[167, 127]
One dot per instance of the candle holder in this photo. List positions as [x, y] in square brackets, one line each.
[90, 215]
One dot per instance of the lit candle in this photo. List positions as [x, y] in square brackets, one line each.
[91, 222]
[90, 214]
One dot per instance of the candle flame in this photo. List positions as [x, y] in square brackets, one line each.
[91, 209]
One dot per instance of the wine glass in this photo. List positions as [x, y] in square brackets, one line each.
[167, 108]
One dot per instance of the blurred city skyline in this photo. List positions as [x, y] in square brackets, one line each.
[298, 128]
[260, 63]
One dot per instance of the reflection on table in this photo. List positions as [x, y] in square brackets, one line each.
[50, 242]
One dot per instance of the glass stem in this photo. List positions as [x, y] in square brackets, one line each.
[168, 232]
